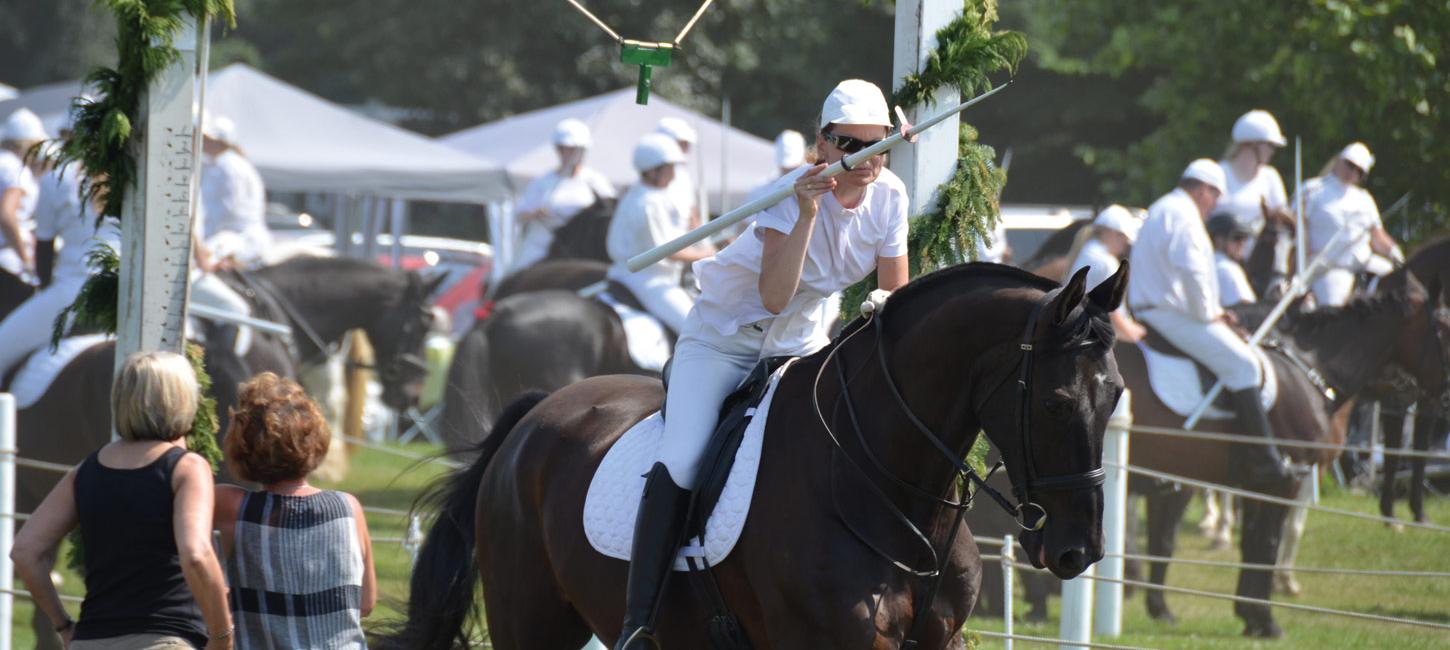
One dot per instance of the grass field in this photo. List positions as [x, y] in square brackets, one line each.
[387, 481]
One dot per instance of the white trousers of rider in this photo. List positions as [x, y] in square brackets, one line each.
[210, 290]
[665, 300]
[29, 327]
[535, 246]
[1214, 345]
[1334, 287]
[707, 367]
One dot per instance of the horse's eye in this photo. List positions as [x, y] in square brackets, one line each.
[1059, 405]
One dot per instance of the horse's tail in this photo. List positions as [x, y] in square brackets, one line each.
[441, 609]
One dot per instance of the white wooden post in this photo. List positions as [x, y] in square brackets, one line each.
[932, 160]
[7, 516]
[156, 227]
[1108, 596]
[1077, 610]
[1009, 555]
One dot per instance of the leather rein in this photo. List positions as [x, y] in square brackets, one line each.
[1023, 491]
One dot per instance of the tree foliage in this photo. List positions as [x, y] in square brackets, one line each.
[1332, 71]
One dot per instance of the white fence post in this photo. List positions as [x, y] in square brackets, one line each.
[1009, 555]
[1077, 610]
[1108, 605]
[7, 515]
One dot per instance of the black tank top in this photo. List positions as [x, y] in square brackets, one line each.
[133, 574]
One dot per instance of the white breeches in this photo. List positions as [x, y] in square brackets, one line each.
[1214, 345]
[29, 327]
[209, 290]
[667, 301]
[1334, 287]
[534, 248]
[707, 367]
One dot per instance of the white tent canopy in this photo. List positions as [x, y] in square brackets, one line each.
[723, 158]
[303, 143]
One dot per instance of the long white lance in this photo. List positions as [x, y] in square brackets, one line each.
[1296, 289]
[646, 259]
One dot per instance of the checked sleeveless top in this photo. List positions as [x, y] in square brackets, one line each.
[296, 572]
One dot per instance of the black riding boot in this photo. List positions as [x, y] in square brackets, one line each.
[1261, 466]
[657, 531]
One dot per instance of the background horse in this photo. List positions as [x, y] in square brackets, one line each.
[1348, 345]
[583, 237]
[798, 577]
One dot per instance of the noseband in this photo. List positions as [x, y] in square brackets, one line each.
[1023, 490]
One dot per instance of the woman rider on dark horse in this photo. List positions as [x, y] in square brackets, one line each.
[765, 295]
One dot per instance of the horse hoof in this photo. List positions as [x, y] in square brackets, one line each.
[1221, 544]
[1286, 584]
[1263, 630]
[1037, 616]
[1162, 615]
[1396, 527]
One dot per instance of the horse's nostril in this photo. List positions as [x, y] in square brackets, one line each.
[1072, 560]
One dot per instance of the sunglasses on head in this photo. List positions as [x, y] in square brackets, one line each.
[847, 143]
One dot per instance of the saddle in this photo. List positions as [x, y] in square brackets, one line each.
[1155, 340]
[1180, 381]
[650, 341]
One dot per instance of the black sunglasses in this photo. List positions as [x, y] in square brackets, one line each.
[847, 143]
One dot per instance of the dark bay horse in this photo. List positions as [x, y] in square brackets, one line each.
[584, 235]
[1348, 346]
[1270, 266]
[954, 345]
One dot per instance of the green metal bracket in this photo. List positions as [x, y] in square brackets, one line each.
[646, 55]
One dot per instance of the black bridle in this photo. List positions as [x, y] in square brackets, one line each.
[1022, 490]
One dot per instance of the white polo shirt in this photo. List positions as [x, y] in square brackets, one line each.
[60, 214]
[562, 197]
[682, 190]
[843, 250]
[1243, 196]
[1100, 263]
[1172, 261]
[1332, 207]
[234, 200]
[1233, 282]
[645, 218]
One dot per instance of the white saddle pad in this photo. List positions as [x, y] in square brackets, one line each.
[649, 343]
[1175, 381]
[41, 368]
[613, 498]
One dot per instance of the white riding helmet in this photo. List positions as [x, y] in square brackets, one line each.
[790, 149]
[1119, 218]
[572, 133]
[655, 149]
[24, 126]
[1208, 172]
[1358, 155]
[1258, 126]
[219, 127]
[677, 128]
[855, 101]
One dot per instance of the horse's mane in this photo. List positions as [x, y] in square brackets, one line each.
[315, 264]
[1337, 333]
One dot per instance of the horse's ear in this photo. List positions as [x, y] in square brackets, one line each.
[1109, 295]
[1069, 298]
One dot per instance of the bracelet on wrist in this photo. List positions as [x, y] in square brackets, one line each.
[223, 635]
[68, 624]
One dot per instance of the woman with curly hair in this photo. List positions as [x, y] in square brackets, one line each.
[299, 559]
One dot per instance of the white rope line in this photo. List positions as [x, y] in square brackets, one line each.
[1271, 567]
[59, 468]
[27, 595]
[1281, 442]
[595, 20]
[1255, 601]
[386, 511]
[989, 541]
[368, 444]
[1259, 496]
[691, 25]
[1047, 641]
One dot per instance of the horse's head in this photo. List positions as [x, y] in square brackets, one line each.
[1420, 347]
[1047, 415]
[398, 338]
[1270, 265]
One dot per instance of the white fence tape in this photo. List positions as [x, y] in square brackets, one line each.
[1398, 573]
[1282, 442]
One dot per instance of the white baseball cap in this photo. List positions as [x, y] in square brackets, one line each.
[1208, 172]
[677, 128]
[790, 149]
[1119, 218]
[1358, 155]
[219, 127]
[655, 149]
[855, 101]
[1258, 126]
[572, 133]
[24, 126]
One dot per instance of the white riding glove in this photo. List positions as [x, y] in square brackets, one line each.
[874, 301]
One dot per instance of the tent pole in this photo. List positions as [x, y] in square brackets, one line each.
[724, 154]
[397, 215]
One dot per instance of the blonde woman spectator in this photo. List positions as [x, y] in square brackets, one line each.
[299, 559]
[144, 507]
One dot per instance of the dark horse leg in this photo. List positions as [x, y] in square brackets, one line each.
[1165, 509]
[1428, 420]
[1393, 424]
[1263, 526]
